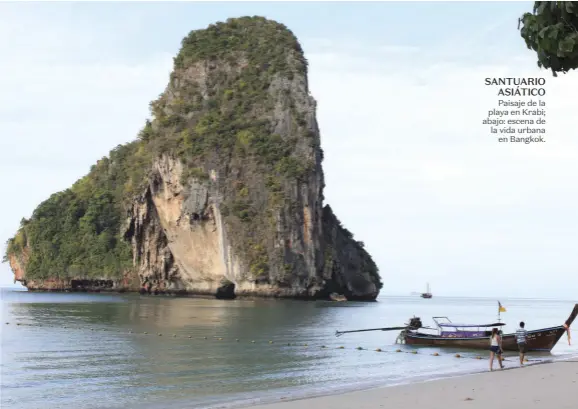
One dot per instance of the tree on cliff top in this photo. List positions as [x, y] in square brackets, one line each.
[552, 31]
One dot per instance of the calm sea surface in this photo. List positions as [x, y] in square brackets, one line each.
[91, 351]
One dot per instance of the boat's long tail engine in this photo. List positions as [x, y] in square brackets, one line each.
[414, 323]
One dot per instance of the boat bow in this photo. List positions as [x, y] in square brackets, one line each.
[569, 322]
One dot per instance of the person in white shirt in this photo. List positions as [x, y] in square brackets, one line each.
[521, 336]
[495, 348]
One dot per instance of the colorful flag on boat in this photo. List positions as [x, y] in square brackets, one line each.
[500, 307]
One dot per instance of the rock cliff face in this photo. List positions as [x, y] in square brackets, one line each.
[221, 195]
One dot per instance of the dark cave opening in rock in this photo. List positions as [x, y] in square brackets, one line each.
[82, 285]
[226, 291]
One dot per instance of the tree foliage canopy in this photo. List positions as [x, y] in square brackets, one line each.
[551, 31]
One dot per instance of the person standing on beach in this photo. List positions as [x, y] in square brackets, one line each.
[495, 348]
[521, 335]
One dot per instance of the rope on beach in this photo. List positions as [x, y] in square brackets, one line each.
[272, 342]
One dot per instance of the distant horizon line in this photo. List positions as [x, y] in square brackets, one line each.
[415, 295]
[489, 297]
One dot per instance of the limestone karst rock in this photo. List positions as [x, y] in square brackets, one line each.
[221, 194]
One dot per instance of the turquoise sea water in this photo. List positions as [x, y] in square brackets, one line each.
[91, 350]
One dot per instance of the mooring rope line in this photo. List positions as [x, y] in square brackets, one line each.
[272, 342]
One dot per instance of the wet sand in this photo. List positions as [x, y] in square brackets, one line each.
[552, 385]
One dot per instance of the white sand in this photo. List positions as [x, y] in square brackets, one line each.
[547, 386]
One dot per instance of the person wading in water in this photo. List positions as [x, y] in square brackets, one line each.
[495, 348]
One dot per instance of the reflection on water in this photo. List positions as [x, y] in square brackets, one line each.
[94, 351]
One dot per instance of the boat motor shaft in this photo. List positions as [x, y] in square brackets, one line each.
[340, 333]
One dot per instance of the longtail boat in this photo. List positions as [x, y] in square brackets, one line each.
[475, 336]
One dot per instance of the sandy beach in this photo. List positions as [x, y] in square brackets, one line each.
[552, 385]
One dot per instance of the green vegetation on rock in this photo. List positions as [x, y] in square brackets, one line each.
[264, 43]
[76, 232]
[551, 30]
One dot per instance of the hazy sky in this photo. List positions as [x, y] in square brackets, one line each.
[410, 169]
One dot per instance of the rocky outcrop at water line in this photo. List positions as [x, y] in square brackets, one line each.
[221, 194]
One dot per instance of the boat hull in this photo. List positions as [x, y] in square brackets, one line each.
[536, 340]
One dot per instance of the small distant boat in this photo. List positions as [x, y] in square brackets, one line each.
[337, 297]
[427, 293]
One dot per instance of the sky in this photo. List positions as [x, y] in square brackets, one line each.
[409, 167]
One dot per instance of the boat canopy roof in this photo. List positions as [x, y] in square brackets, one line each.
[453, 325]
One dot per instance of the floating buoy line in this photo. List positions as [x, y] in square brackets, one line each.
[290, 344]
